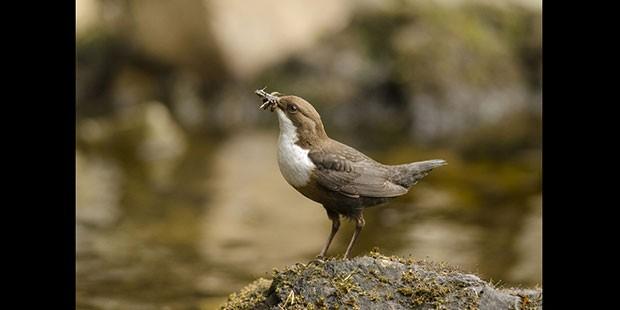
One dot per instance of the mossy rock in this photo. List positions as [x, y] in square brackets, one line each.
[379, 282]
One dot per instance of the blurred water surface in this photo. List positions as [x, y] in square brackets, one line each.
[225, 216]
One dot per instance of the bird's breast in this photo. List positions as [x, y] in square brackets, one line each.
[295, 165]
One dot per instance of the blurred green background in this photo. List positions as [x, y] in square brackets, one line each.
[179, 198]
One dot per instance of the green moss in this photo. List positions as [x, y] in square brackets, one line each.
[249, 297]
[320, 303]
[423, 290]
[373, 295]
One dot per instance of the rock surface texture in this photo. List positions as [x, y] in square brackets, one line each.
[378, 282]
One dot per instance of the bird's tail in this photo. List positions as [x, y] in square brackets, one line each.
[407, 175]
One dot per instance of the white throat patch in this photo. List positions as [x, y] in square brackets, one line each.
[295, 165]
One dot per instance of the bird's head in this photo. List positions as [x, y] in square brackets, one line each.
[294, 114]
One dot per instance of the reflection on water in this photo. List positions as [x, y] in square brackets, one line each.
[184, 229]
[255, 221]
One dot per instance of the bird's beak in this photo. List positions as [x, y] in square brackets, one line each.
[270, 101]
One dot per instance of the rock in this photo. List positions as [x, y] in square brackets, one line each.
[378, 282]
[175, 33]
[253, 35]
[87, 16]
[163, 138]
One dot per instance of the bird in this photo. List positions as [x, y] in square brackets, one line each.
[342, 179]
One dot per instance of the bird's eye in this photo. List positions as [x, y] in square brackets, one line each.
[292, 108]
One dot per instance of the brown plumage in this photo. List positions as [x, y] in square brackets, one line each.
[341, 178]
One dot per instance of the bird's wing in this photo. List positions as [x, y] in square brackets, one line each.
[353, 174]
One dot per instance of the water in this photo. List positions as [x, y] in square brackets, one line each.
[181, 230]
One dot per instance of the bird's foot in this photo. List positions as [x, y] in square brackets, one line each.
[317, 260]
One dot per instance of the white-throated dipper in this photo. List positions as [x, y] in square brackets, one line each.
[341, 178]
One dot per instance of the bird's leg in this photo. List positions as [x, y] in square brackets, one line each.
[335, 225]
[359, 224]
